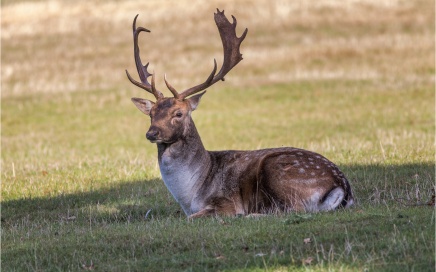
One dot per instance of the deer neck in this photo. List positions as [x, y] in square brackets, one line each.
[183, 165]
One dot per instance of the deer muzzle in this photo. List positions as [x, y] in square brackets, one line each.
[153, 134]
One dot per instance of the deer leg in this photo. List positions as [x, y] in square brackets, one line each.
[203, 213]
[333, 199]
[255, 215]
[238, 205]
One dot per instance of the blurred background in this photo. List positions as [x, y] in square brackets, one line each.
[64, 46]
[353, 80]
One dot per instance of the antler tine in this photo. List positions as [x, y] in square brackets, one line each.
[232, 56]
[202, 86]
[206, 83]
[171, 88]
[142, 69]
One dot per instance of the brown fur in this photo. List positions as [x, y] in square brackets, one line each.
[232, 182]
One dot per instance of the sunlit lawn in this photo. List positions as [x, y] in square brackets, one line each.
[81, 189]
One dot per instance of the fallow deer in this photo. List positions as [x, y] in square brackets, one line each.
[231, 182]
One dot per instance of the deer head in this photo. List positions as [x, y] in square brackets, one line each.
[171, 116]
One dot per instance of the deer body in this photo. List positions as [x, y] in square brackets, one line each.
[231, 182]
[243, 182]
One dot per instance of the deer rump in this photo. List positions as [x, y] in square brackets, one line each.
[270, 180]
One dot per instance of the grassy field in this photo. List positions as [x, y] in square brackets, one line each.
[80, 186]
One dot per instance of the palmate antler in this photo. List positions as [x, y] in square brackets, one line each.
[232, 56]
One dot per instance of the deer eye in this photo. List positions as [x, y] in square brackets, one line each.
[179, 114]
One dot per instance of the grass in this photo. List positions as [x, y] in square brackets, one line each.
[344, 240]
[80, 185]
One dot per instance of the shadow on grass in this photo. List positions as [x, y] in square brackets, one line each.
[123, 201]
[134, 200]
[141, 227]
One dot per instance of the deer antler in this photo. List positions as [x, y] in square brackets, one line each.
[142, 69]
[232, 56]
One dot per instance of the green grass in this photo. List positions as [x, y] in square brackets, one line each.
[80, 186]
[348, 240]
[88, 190]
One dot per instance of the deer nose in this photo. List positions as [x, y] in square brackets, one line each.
[152, 134]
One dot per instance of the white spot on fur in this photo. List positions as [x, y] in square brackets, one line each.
[301, 170]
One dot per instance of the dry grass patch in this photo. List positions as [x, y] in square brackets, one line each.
[59, 46]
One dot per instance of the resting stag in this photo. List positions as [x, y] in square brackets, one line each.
[230, 182]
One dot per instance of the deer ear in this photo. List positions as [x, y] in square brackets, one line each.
[143, 105]
[195, 100]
